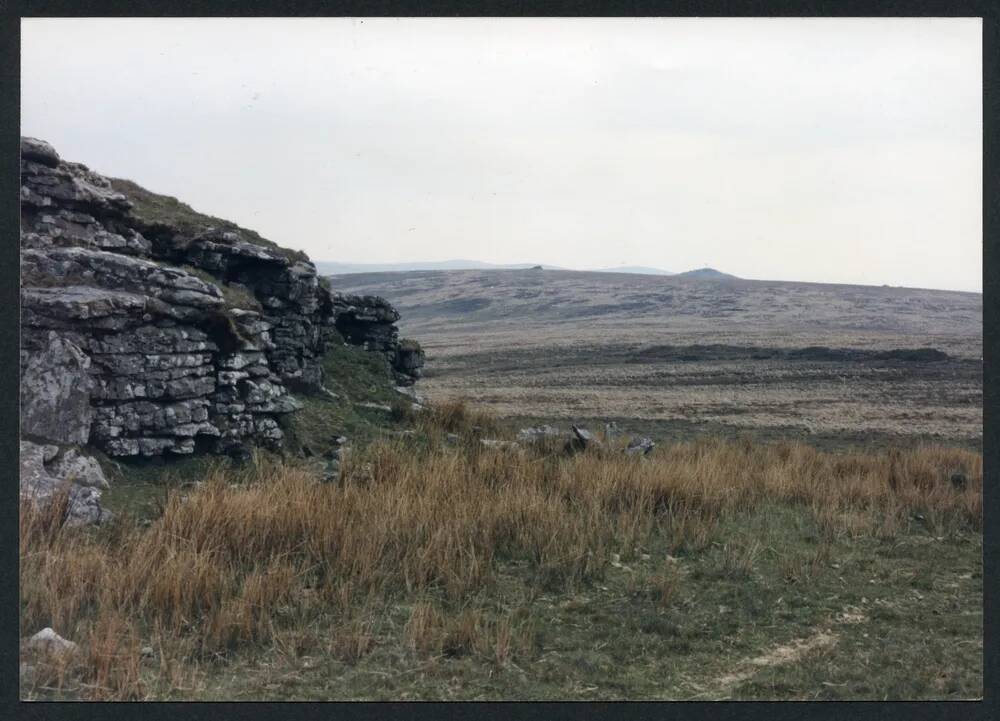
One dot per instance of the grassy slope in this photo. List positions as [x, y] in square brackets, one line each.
[154, 208]
[672, 605]
[610, 641]
[356, 376]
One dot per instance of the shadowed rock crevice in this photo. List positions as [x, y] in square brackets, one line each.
[370, 321]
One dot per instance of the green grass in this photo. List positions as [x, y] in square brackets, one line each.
[611, 640]
[139, 486]
[153, 208]
[356, 376]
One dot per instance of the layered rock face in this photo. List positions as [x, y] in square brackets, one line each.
[370, 321]
[142, 336]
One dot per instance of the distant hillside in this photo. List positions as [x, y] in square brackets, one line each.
[640, 269]
[707, 273]
[334, 268]
[567, 302]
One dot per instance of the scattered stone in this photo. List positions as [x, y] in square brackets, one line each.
[411, 393]
[494, 443]
[538, 433]
[611, 431]
[582, 440]
[48, 641]
[639, 446]
[375, 406]
[453, 438]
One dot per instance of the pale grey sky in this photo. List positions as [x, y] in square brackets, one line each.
[832, 150]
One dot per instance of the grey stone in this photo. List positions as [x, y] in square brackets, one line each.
[584, 438]
[40, 483]
[55, 393]
[80, 469]
[639, 446]
[48, 641]
[39, 151]
[538, 433]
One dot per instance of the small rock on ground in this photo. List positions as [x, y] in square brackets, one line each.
[49, 641]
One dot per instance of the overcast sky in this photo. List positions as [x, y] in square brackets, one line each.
[835, 150]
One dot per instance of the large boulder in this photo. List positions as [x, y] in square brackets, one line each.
[39, 151]
[55, 392]
[41, 483]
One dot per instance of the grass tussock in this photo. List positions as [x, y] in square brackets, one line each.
[248, 558]
[458, 416]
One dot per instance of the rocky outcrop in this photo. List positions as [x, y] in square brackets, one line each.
[148, 331]
[370, 321]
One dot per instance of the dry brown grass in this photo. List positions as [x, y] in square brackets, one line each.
[247, 562]
[457, 415]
